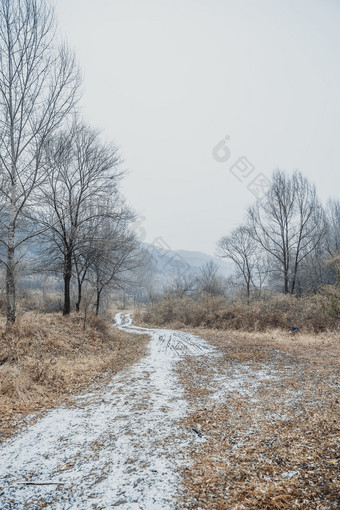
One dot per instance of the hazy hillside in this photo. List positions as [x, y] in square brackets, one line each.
[168, 263]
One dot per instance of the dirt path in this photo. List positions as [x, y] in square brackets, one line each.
[121, 446]
[248, 420]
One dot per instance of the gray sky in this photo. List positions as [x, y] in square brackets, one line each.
[168, 80]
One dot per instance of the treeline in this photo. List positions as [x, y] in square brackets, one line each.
[286, 257]
[59, 182]
[288, 243]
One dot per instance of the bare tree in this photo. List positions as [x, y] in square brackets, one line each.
[317, 268]
[210, 281]
[83, 172]
[240, 248]
[84, 252]
[83, 259]
[182, 284]
[314, 272]
[139, 278]
[333, 228]
[288, 224]
[38, 88]
[117, 255]
[100, 236]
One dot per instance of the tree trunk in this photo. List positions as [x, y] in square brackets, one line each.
[98, 302]
[10, 286]
[10, 268]
[67, 283]
[292, 290]
[286, 281]
[79, 295]
[293, 285]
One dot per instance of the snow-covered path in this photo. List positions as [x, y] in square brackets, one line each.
[121, 446]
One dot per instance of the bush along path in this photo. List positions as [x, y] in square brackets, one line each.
[121, 445]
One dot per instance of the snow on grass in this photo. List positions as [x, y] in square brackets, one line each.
[126, 444]
[121, 446]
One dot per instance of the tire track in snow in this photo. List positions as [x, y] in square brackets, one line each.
[121, 446]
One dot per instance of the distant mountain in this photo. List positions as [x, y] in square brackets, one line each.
[197, 259]
[168, 263]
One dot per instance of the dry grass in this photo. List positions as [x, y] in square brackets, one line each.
[275, 444]
[316, 313]
[46, 358]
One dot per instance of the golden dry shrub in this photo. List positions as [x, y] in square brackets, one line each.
[315, 313]
[14, 383]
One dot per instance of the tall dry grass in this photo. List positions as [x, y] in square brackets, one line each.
[45, 358]
[315, 313]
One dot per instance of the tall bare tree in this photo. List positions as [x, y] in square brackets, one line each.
[288, 224]
[38, 88]
[83, 173]
[240, 247]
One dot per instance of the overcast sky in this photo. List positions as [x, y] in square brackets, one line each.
[168, 80]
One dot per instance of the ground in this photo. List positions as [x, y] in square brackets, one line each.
[206, 419]
[268, 411]
[46, 358]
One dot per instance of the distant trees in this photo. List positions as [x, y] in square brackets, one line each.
[209, 281]
[317, 268]
[333, 228]
[38, 88]
[193, 282]
[117, 254]
[183, 284]
[285, 236]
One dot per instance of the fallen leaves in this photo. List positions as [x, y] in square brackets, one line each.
[270, 444]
